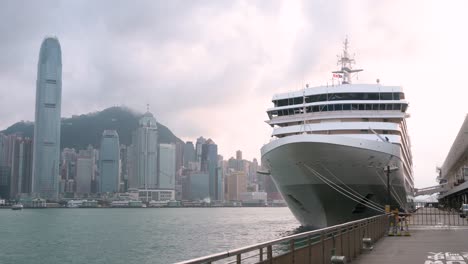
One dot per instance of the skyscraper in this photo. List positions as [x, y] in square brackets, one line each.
[167, 166]
[109, 162]
[85, 168]
[21, 169]
[209, 164]
[198, 151]
[189, 153]
[46, 158]
[146, 152]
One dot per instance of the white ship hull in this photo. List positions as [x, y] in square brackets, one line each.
[352, 163]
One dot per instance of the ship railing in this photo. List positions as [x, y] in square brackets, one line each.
[346, 240]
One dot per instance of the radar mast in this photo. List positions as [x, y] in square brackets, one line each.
[346, 64]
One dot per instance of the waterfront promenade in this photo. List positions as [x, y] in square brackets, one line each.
[436, 236]
[423, 246]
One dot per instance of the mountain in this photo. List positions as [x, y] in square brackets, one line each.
[80, 131]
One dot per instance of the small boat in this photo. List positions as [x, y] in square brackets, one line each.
[17, 207]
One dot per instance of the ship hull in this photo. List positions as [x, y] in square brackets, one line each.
[312, 172]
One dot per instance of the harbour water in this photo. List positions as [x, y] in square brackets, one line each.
[135, 235]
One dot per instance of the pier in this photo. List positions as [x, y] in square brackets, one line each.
[430, 235]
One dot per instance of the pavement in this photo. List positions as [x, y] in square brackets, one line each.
[429, 245]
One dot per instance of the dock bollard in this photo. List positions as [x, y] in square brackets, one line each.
[338, 259]
[367, 243]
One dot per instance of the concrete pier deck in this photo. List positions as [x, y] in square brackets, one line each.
[428, 246]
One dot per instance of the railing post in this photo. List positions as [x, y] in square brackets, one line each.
[291, 243]
[238, 258]
[309, 245]
[322, 242]
[261, 254]
[270, 254]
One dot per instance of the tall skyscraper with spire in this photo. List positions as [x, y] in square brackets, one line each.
[46, 158]
[145, 141]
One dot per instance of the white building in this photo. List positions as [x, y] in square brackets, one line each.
[156, 195]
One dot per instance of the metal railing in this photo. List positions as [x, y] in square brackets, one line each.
[428, 215]
[316, 246]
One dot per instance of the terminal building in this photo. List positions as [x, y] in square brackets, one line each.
[453, 175]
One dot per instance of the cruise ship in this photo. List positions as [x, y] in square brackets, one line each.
[334, 149]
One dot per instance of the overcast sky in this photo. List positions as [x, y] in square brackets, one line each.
[210, 68]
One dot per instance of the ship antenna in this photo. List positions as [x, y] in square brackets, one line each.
[346, 64]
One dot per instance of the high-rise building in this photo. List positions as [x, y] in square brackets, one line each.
[189, 153]
[236, 183]
[198, 187]
[209, 163]
[238, 155]
[167, 166]
[253, 168]
[68, 171]
[2, 149]
[124, 167]
[21, 167]
[109, 162]
[198, 151]
[46, 158]
[146, 152]
[5, 175]
[132, 181]
[85, 171]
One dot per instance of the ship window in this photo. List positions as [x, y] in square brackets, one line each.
[362, 107]
[388, 107]
[282, 102]
[354, 107]
[396, 96]
[375, 107]
[338, 107]
[403, 107]
[386, 96]
[346, 107]
[315, 108]
[373, 96]
[331, 108]
[368, 107]
[323, 108]
[298, 100]
[396, 107]
[381, 107]
[322, 97]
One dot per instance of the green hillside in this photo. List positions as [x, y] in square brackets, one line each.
[80, 131]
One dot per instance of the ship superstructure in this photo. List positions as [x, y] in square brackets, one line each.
[332, 146]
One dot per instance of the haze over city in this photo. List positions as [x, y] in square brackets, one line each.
[211, 68]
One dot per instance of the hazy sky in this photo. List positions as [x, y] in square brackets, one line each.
[210, 68]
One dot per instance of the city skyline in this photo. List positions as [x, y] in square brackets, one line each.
[274, 47]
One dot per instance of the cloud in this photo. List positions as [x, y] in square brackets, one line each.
[211, 67]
